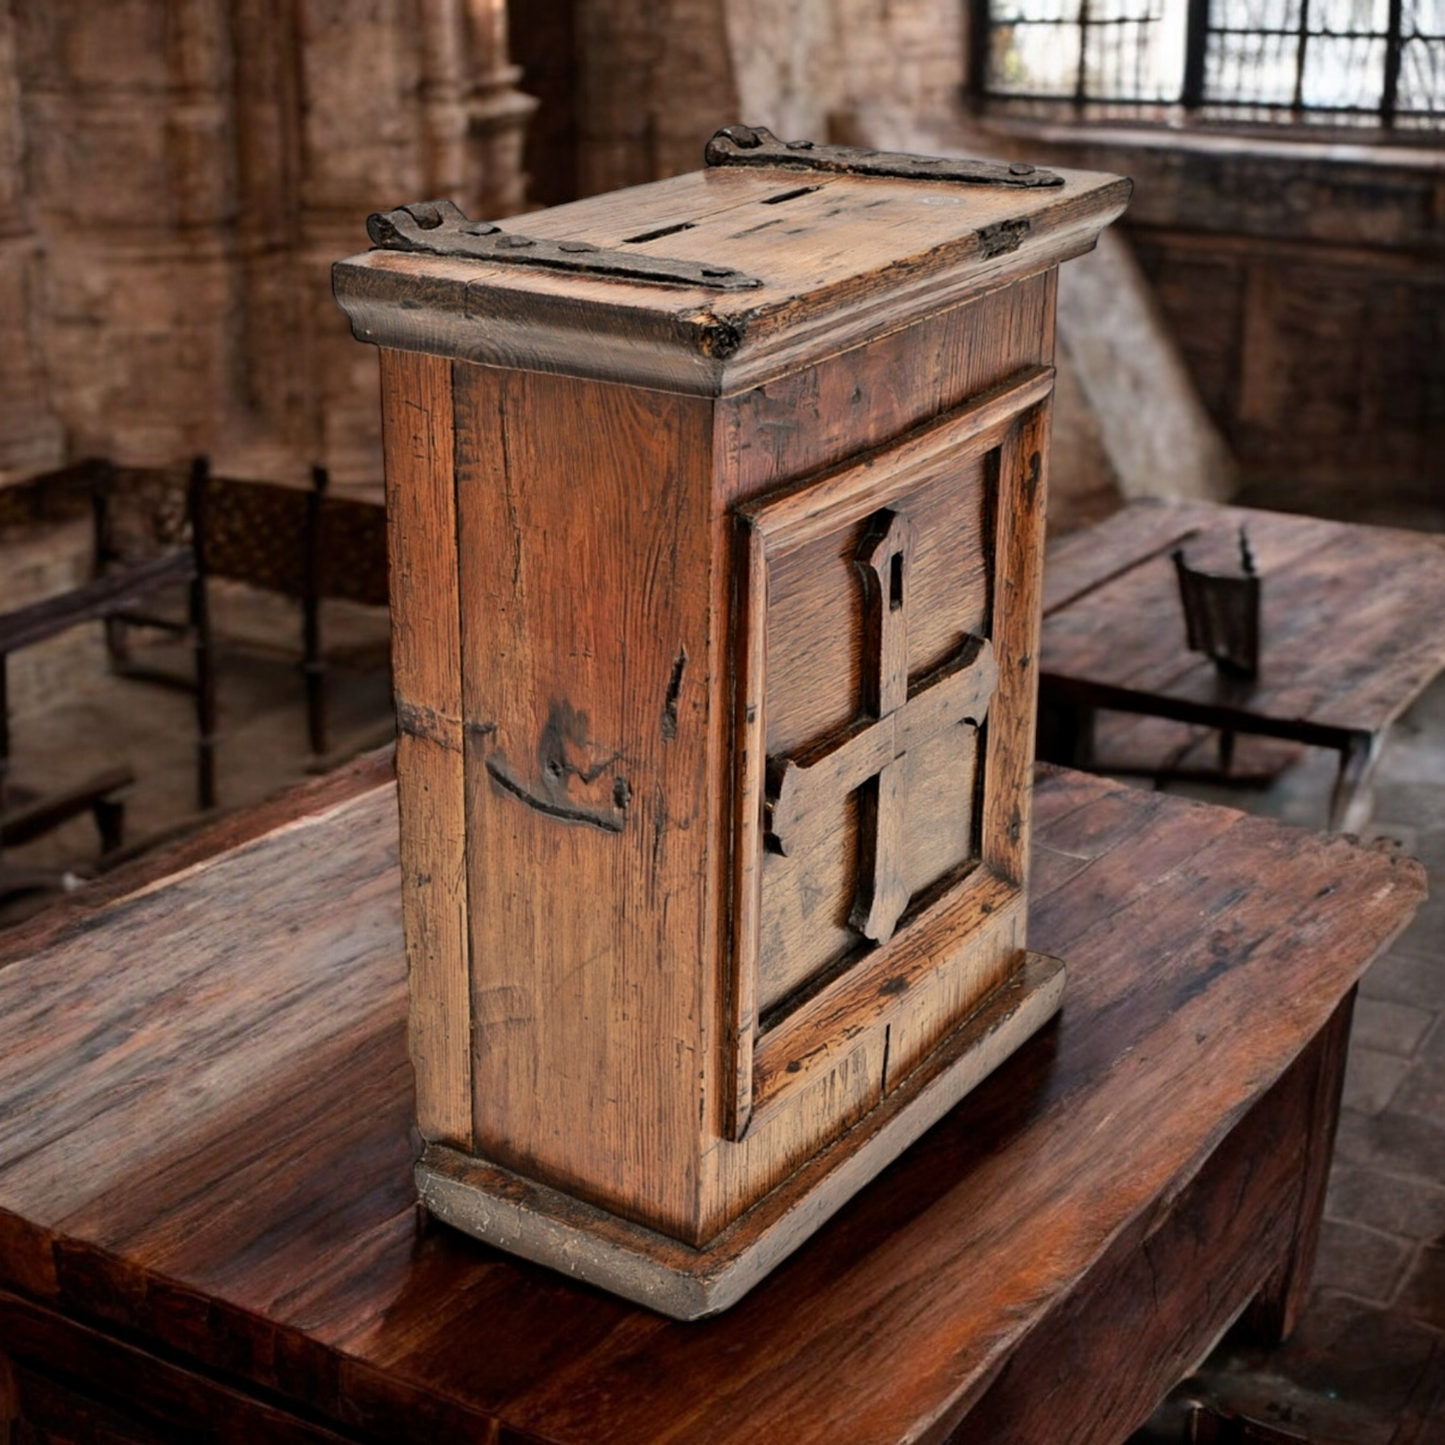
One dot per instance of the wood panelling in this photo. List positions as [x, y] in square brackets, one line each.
[583, 513]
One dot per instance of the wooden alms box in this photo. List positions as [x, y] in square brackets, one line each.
[716, 518]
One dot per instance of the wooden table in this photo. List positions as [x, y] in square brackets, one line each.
[1351, 631]
[207, 1218]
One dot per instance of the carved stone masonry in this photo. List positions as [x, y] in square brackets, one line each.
[868, 754]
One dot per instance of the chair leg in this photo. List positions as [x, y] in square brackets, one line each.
[313, 666]
[1352, 799]
[1227, 738]
[203, 643]
[109, 814]
[117, 648]
[316, 730]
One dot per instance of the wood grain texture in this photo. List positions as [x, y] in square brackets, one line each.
[804, 975]
[1280, 1305]
[584, 513]
[852, 400]
[205, 1151]
[684, 1283]
[601, 450]
[820, 256]
[417, 432]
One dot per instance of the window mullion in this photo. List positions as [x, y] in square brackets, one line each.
[1394, 43]
[1196, 43]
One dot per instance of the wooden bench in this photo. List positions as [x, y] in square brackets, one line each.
[301, 543]
[1350, 633]
[24, 813]
[207, 1218]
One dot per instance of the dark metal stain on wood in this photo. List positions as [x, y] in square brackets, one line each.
[576, 778]
[1001, 238]
[722, 338]
[419, 721]
[498, 771]
[674, 690]
[1035, 476]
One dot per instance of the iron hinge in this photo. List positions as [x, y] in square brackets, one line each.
[756, 145]
[442, 229]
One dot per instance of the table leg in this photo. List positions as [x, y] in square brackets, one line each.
[1351, 801]
[1066, 734]
[1277, 1308]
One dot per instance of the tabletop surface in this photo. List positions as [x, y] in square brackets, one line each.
[204, 1138]
[1350, 615]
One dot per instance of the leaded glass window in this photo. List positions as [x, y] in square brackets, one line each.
[1373, 62]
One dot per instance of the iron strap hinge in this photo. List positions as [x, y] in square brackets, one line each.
[756, 145]
[441, 228]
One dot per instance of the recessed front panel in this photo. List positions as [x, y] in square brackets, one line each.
[867, 678]
[843, 617]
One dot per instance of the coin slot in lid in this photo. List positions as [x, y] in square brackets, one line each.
[789, 195]
[658, 234]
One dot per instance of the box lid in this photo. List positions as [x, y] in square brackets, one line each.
[774, 255]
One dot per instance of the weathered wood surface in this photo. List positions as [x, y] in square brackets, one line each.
[841, 257]
[426, 664]
[575, 547]
[1350, 632]
[815, 666]
[583, 528]
[205, 1151]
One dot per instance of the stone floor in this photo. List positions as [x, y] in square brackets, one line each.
[1367, 1366]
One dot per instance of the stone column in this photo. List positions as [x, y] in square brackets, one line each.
[31, 438]
[655, 80]
[497, 116]
[276, 425]
[364, 147]
[444, 97]
[131, 188]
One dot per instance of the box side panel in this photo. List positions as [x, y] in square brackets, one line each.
[846, 404]
[865, 396]
[1019, 552]
[583, 512]
[426, 669]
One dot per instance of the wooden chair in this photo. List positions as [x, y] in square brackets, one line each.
[145, 525]
[112, 592]
[1221, 611]
[305, 545]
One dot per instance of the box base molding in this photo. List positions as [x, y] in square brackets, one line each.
[542, 1224]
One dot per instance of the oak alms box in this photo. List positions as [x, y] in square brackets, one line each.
[716, 514]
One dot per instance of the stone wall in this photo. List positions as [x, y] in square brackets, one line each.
[632, 89]
[1305, 284]
[176, 178]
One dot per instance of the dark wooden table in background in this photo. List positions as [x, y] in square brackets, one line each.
[1352, 630]
[207, 1227]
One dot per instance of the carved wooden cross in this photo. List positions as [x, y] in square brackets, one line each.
[868, 753]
